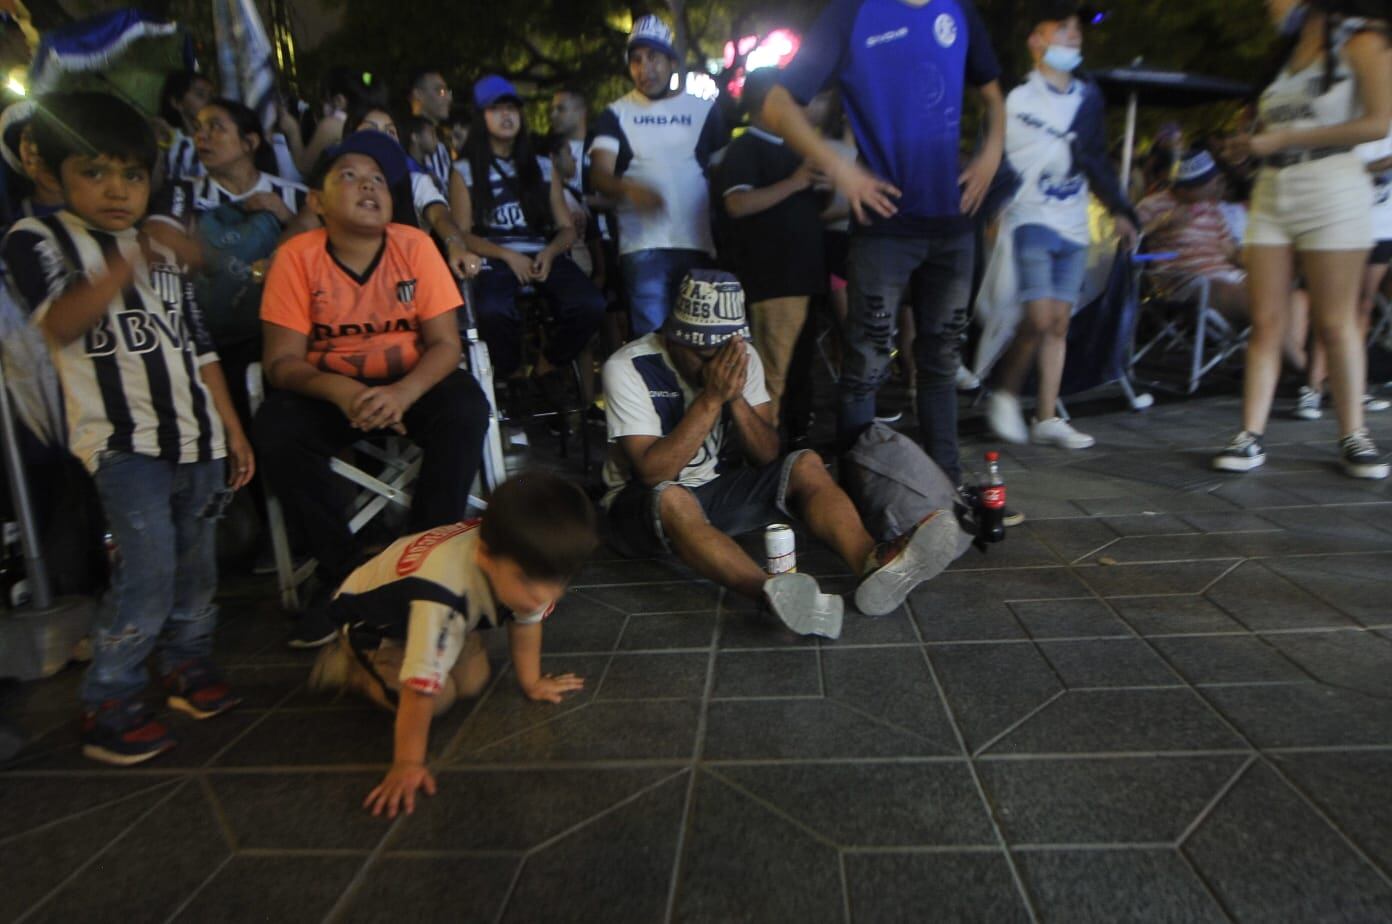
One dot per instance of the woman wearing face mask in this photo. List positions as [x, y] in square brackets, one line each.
[419, 201]
[1055, 142]
[509, 202]
[1312, 208]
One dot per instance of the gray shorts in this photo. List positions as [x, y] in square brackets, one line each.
[735, 503]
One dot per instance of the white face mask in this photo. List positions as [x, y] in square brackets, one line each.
[1063, 58]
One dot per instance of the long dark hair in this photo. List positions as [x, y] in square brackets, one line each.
[263, 155]
[175, 86]
[533, 192]
[1334, 12]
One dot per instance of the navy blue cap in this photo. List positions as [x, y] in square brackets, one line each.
[491, 88]
[379, 146]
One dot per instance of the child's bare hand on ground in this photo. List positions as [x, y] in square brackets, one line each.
[399, 788]
[553, 688]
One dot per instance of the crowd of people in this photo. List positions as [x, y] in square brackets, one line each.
[162, 258]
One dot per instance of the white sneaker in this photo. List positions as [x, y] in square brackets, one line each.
[1058, 432]
[1005, 419]
[800, 604]
[903, 564]
[1307, 406]
[966, 381]
[1375, 405]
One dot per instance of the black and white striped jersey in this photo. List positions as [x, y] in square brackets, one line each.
[181, 160]
[131, 383]
[439, 163]
[181, 203]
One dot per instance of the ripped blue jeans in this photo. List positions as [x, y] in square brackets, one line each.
[163, 516]
[933, 274]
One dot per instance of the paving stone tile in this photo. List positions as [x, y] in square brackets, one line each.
[991, 687]
[1102, 721]
[668, 630]
[360, 735]
[1153, 524]
[617, 868]
[683, 597]
[971, 606]
[597, 731]
[888, 887]
[1358, 660]
[437, 891]
[1187, 547]
[582, 624]
[36, 860]
[1103, 801]
[1019, 550]
[771, 729]
[1054, 619]
[30, 802]
[1235, 521]
[1108, 663]
[767, 673]
[744, 625]
[1262, 600]
[516, 810]
[890, 684]
[1106, 886]
[1257, 493]
[1127, 580]
[1339, 523]
[1228, 659]
[148, 873]
[655, 676]
[263, 686]
[272, 888]
[504, 711]
[1304, 715]
[299, 811]
[895, 628]
[1350, 787]
[1072, 539]
[1166, 615]
[1304, 871]
[873, 804]
[742, 863]
[1182, 503]
[1358, 585]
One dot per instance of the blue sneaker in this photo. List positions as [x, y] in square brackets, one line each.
[123, 734]
[196, 688]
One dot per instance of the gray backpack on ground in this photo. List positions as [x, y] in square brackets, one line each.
[894, 484]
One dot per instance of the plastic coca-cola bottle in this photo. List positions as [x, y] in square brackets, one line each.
[991, 502]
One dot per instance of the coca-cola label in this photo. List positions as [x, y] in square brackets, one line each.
[993, 496]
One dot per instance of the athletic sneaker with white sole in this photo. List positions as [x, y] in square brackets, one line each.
[800, 604]
[1375, 405]
[1359, 457]
[913, 558]
[1243, 454]
[1058, 432]
[1005, 418]
[1307, 405]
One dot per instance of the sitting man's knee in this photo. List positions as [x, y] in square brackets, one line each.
[676, 506]
[808, 473]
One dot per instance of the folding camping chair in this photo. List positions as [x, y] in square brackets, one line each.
[397, 460]
[1178, 318]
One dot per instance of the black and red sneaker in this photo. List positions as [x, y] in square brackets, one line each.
[123, 734]
[195, 687]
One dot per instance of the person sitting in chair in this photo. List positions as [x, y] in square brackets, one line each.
[361, 337]
[682, 404]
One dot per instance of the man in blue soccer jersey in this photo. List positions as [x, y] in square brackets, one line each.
[902, 67]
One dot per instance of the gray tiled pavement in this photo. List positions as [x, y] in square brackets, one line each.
[1167, 697]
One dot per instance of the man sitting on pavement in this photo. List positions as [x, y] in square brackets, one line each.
[682, 404]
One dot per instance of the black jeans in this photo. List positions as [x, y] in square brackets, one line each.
[576, 307]
[935, 273]
[296, 437]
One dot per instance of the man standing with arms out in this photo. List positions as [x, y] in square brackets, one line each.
[902, 67]
[430, 99]
[649, 156]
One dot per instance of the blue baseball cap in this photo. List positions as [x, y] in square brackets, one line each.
[491, 88]
[379, 146]
[653, 33]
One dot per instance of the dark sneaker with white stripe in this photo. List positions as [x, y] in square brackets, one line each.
[123, 734]
[1243, 454]
[1359, 456]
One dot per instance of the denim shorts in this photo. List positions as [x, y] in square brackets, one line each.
[1048, 265]
[735, 503]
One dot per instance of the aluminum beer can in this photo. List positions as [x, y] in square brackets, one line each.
[780, 549]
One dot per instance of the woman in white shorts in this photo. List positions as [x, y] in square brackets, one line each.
[1313, 201]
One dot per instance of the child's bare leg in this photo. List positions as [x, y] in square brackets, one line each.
[470, 674]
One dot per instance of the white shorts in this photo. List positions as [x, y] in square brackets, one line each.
[1324, 204]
